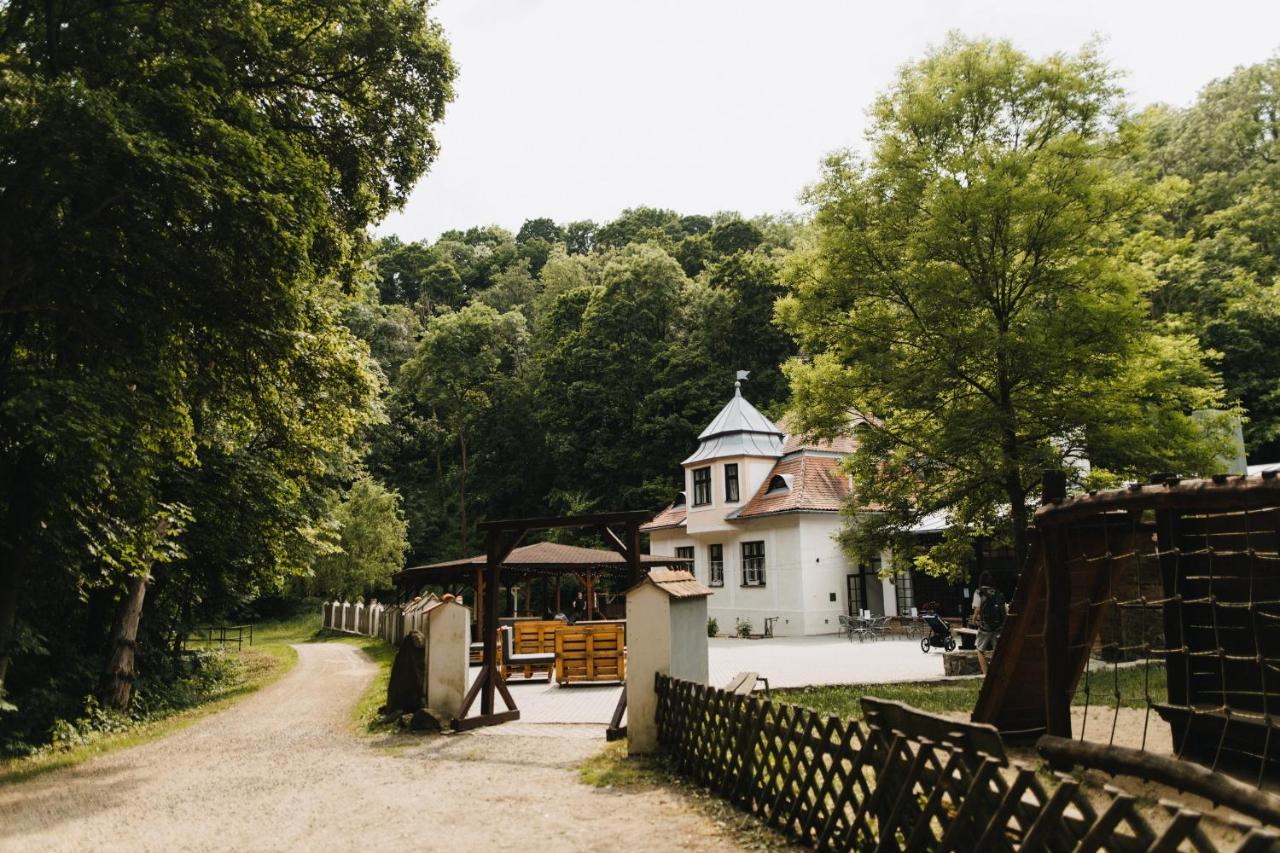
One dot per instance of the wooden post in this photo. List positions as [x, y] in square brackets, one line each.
[591, 596]
[1057, 615]
[479, 602]
[635, 573]
[558, 610]
[490, 629]
[1176, 659]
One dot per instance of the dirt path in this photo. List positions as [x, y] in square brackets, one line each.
[283, 771]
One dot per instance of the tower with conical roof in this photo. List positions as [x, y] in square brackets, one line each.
[739, 430]
[735, 453]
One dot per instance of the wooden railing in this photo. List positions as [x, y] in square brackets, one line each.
[906, 780]
[220, 635]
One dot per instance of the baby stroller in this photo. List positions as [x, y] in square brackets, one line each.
[940, 635]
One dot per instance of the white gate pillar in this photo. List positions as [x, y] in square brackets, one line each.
[666, 633]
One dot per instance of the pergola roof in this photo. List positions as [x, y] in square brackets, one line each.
[538, 558]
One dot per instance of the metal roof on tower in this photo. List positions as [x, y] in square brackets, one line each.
[739, 430]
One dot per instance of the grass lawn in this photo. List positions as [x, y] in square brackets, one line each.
[266, 661]
[962, 694]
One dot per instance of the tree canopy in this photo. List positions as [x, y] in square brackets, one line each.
[966, 293]
[186, 188]
[1213, 247]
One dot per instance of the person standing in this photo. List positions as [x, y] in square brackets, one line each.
[989, 609]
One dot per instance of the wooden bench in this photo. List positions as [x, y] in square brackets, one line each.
[477, 648]
[744, 683]
[528, 664]
[591, 652]
[536, 637]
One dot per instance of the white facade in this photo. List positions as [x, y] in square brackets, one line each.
[806, 577]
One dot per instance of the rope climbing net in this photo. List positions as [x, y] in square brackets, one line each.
[1176, 616]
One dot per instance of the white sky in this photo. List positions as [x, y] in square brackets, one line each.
[577, 109]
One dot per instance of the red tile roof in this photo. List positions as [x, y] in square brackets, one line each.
[816, 485]
[672, 516]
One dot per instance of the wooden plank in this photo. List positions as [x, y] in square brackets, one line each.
[1057, 600]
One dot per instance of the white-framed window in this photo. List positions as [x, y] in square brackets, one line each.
[701, 486]
[753, 564]
[685, 551]
[715, 554]
[904, 592]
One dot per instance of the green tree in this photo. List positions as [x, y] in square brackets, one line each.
[621, 392]
[173, 259]
[416, 274]
[1214, 248]
[966, 290]
[580, 237]
[640, 225]
[457, 374]
[541, 228]
[371, 542]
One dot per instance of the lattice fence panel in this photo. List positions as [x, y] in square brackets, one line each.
[905, 781]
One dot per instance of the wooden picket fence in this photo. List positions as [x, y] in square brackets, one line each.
[390, 623]
[906, 780]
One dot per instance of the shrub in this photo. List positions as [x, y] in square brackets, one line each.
[744, 628]
[713, 627]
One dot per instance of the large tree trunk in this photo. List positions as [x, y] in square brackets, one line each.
[1019, 517]
[117, 679]
[8, 609]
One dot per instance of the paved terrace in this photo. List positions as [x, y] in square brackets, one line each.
[785, 661]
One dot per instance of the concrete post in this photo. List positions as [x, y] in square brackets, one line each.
[666, 633]
[448, 634]
[648, 653]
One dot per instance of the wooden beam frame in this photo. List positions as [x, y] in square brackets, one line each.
[501, 538]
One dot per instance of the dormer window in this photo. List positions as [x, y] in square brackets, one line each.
[679, 501]
[701, 486]
[779, 483]
[731, 482]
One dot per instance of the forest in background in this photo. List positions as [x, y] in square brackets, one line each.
[566, 368]
[219, 395]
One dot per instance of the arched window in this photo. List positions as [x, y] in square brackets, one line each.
[780, 483]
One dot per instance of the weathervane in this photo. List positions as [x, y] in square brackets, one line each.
[737, 385]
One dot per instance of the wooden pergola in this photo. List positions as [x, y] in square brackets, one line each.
[503, 555]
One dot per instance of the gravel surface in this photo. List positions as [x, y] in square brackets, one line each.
[283, 770]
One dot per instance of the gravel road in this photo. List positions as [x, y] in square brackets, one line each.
[283, 770]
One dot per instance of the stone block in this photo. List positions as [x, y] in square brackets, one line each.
[960, 663]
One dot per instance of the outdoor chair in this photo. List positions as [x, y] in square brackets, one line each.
[877, 626]
[848, 626]
[527, 664]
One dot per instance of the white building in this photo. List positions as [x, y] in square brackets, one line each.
[758, 516]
